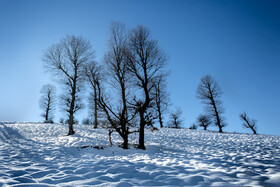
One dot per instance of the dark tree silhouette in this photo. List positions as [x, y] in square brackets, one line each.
[145, 62]
[92, 73]
[117, 75]
[86, 121]
[61, 120]
[210, 93]
[175, 120]
[204, 121]
[114, 115]
[65, 59]
[161, 98]
[193, 127]
[117, 68]
[95, 114]
[249, 123]
[47, 102]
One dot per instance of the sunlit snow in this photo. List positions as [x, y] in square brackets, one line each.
[33, 154]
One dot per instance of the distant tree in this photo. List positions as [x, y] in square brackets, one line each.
[47, 102]
[86, 121]
[210, 93]
[92, 73]
[161, 97]
[146, 62]
[193, 126]
[66, 59]
[249, 123]
[95, 113]
[61, 120]
[204, 121]
[175, 120]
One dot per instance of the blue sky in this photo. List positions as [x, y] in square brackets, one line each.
[237, 42]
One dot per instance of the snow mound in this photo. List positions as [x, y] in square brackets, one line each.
[41, 155]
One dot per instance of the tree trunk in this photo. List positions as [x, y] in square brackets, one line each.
[47, 115]
[48, 108]
[141, 132]
[125, 141]
[205, 128]
[217, 116]
[71, 118]
[72, 105]
[110, 137]
[95, 109]
[220, 129]
[160, 119]
[71, 122]
[254, 131]
[71, 131]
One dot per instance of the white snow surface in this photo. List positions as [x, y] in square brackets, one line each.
[41, 155]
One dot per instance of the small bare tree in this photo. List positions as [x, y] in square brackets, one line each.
[161, 98]
[249, 123]
[47, 102]
[146, 61]
[92, 73]
[204, 121]
[210, 93]
[61, 120]
[176, 120]
[66, 59]
[193, 126]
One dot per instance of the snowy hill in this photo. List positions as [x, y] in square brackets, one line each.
[33, 154]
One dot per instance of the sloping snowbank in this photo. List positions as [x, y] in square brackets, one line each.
[33, 154]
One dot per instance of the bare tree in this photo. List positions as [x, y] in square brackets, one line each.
[86, 121]
[193, 126]
[117, 68]
[95, 114]
[249, 123]
[204, 121]
[47, 102]
[61, 120]
[92, 73]
[161, 97]
[116, 111]
[65, 59]
[117, 119]
[210, 93]
[146, 61]
[175, 119]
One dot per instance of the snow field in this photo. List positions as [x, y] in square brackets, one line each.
[41, 155]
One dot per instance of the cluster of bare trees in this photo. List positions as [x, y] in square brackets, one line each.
[210, 93]
[127, 90]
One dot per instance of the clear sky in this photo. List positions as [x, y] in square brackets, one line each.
[237, 42]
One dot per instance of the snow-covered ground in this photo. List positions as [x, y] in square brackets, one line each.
[41, 155]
